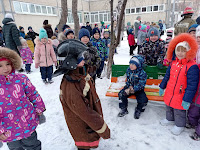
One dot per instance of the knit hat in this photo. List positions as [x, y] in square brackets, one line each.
[198, 20]
[43, 34]
[134, 61]
[20, 27]
[68, 31]
[183, 44]
[130, 31]
[106, 31]
[198, 31]
[153, 31]
[29, 27]
[143, 27]
[45, 22]
[64, 27]
[84, 32]
[96, 30]
[8, 15]
[187, 11]
[192, 28]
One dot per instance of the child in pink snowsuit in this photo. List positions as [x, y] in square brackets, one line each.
[20, 104]
[194, 110]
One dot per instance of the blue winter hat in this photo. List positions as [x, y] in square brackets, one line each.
[192, 28]
[143, 27]
[198, 20]
[68, 31]
[84, 32]
[96, 30]
[43, 34]
[134, 61]
[153, 31]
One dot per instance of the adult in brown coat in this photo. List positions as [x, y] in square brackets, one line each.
[81, 104]
[48, 28]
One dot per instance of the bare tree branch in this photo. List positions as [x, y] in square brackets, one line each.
[75, 16]
[64, 14]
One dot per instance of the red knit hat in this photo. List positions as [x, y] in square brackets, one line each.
[188, 11]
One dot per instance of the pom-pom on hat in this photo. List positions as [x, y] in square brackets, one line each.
[84, 32]
[43, 34]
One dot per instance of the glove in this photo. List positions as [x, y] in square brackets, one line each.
[42, 119]
[160, 66]
[185, 105]
[37, 65]
[161, 92]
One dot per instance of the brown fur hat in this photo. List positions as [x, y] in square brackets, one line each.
[12, 56]
[191, 54]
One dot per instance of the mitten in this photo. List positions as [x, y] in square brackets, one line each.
[161, 92]
[42, 119]
[185, 105]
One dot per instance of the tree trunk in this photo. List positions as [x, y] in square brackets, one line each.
[75, 16]
[115, 41]
[64, 14]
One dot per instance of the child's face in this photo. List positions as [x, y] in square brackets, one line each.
[24, 44]
[22, 29]
[181, 52]
[133, 67]
[85, 39]
[96, 36]
[5, 68]
[153, 38]
[193, 33]
[106, 35]
[81, 64]
[44, 40]
[70, 36]
[198, 39]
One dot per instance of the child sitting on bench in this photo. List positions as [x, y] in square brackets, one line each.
[136, 80]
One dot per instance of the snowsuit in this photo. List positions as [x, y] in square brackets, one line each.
[136, 25]
[131, 41]
[27, 56]
[154, 52]
[181, 81]
[101, 49]
[83, 112]
[137, 79]
[45, 56]
[107, 41]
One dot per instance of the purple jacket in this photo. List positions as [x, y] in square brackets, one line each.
[26, 55]
[19, 105]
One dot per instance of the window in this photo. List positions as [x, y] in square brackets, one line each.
[155, 8]
[32, 8]
[109, 19]
[80, 17]
[161, 7]
[44, 9]
[54, 10]
[49, 10]
[149, 8]
[128, 11]
[144, 9]
[94, 17]
[101, 17]
[105, 17]
[86, 17]
[138, 10]
[38, 9]
[24, 7]
[133, 10]
[17, 6]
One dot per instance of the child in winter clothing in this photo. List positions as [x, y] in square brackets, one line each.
[136, 80]
[21, 31]
[192, 30]
[44, 56]
[20, 104]
[93, 61]
[81, 104]
[194, 110]
[142, 35]
[26, 55]
[131, 41]
[101, 49]
[153, 49]
[106, 40]
[181, 81]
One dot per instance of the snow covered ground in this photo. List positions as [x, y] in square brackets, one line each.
[127, 133]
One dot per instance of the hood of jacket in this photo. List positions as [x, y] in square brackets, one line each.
[7, 21]
[139, 59]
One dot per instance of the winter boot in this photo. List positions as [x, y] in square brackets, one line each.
[189, 126]
[123, 112]
[165, 122]
[177, 130]
[50, 81]
[137, 113]
[44, 81]
[195, 137]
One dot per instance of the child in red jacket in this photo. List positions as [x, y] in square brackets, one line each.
[131, 41]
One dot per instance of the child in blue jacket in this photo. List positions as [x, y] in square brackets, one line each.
[136, 80]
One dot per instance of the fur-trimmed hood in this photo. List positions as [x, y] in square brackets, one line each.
[12, 56]
[38, 42]
[191, 54]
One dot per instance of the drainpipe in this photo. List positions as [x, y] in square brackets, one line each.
[2, 8]
[11, 10]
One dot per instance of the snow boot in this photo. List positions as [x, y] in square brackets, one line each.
[137, 113]
[189, 126]
[165, 122]
[177, 130]
[123, 112]
[44, 81]
[195, 137]
[50, 81]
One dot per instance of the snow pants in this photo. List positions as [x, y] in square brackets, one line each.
[194, 117]
[100, 69]
[141, 98]
[176, 115]
[29, 143]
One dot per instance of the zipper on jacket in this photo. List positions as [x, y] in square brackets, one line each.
[46, 54]
[175, 85]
